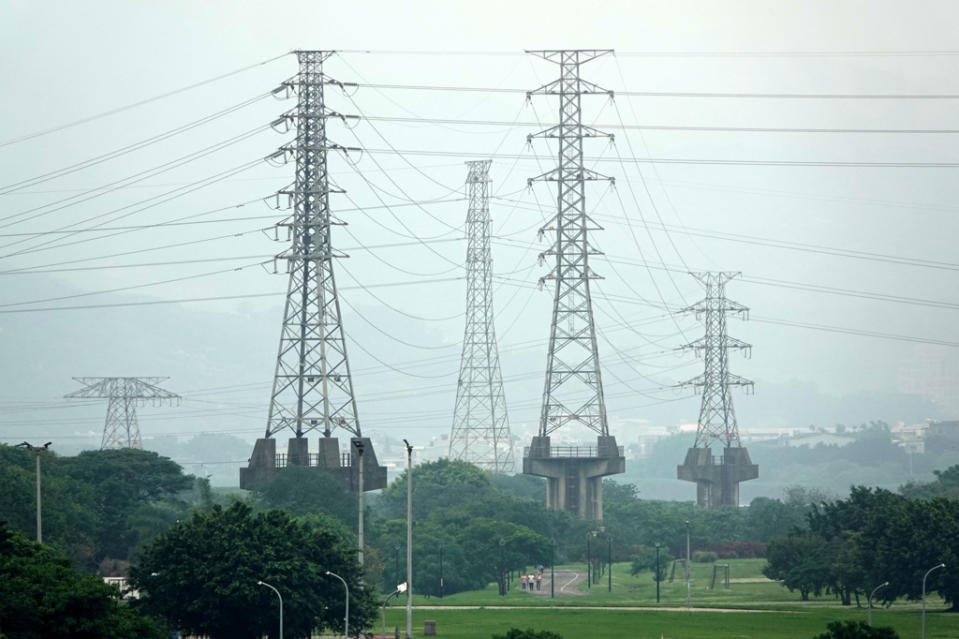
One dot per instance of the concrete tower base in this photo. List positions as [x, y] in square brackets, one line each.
[574, 474]
[264, 463]
[717, 484]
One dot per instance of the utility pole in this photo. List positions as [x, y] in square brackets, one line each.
[717, 484]
[573, 393]
[121, 428]
[409, 540]
[480, 432]
[36, 450]
[358, 444]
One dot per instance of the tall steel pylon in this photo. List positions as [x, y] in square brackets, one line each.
[574, 388]
[480, 432]
[717, 418]
[121, 429]
[312, 386]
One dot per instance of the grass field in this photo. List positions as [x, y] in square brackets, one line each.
[753, 607]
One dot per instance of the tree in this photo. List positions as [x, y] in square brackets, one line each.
[801, 562]
[647, 560]
[493, 548]
[436, 485]
[856, 630]
[299, 491]
[201, 575]
[43, 597]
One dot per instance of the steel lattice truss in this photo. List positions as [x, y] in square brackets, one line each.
[574, 389]
[312, 387]
[480, 432]
[121, 429]
[717, 418]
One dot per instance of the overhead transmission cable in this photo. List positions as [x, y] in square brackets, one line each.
[133, 105]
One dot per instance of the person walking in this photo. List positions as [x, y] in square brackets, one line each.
[523, 581]
[539, 581]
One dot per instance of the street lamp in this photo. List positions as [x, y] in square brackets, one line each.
[400, 588]
[869, 601]
[346, 615]
[263, 583]
[609, 562]
[658, 573]
[940, 565]
[442, 585]
[358, 444]
[409, 540]
[589, 564]
[552, 568]
[36, 450]
[687, 564]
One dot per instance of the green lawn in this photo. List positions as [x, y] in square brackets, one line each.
[778, 612]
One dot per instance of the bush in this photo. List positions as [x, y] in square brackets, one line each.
[739, 550]
[856, 630]
[704, 556]
[529, 633]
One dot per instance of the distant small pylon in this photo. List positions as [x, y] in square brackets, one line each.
[121, 429]
[717, 418]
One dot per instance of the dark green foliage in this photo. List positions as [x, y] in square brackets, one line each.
[856, 630]
[43, 597]
[529, 633]
[201, 575]
[704, 557]
[99, 504]
[946, 484]
[873, 536]
[436, 485]
[299, 490]
[646, 560]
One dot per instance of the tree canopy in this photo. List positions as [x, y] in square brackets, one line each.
[43, 597]
[219, 596]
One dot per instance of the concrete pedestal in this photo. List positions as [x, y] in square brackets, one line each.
[574, 474]
[263, 462]
[717, 481]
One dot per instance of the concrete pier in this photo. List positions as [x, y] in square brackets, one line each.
[264, 463]
[717, 481]
[574, 474]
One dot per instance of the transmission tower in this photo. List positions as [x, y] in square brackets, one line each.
[574, 391]
[121, 429]
[718, 484]
[312, 384]
[480, 432]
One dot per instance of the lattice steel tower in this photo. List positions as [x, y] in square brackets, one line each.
[573, 392]
[480, 432]
[121, 428]
[717, 484]
[312, 385]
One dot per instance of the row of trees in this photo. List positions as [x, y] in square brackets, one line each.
[99, 507]
[855, 544]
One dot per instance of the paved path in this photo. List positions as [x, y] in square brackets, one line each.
[627, 608]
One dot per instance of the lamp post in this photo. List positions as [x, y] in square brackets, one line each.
[36, 450]
[409, 540]
[687, 564]
[442, 585]
[589, 565]
[869, 601]
[346, 614]
[552, 568]
[358, 444]
[400, 588]
[263, 583]
[658, 573]
[609, 562]
[940, 565]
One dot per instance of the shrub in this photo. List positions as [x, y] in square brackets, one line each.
[529, 633]
[704, 556]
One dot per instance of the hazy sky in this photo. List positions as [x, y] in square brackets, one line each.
[870, 216]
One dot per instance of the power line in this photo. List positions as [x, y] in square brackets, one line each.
[669, 127]
[133, 105]
[682, 94]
